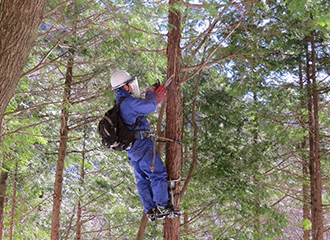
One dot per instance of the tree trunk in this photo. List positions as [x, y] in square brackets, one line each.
[314, 148]
[13, 206]
[173, 115]
[79, 223]
[3, 188]
[58, 186]
[318, 234]
[19, 22]
[186, 224]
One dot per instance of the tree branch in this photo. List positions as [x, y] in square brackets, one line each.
[210, 55]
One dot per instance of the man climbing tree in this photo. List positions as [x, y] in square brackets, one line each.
[149, 169]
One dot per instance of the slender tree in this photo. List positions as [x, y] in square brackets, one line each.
[13, 204]
[58, 185]
[314, 144]
[173, 114]
[3, 188]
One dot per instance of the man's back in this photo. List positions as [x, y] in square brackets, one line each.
[131, 108]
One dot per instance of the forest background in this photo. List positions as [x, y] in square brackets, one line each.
[249, 100]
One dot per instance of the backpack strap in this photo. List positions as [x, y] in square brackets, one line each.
[137, 121]
[120, 100]
[110, 122]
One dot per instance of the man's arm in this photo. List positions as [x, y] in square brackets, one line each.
[144, 106]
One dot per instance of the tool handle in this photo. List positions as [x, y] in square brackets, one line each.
[157, 84]
[160, 92]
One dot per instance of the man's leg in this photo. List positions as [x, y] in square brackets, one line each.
[143, 187]
[158, 177]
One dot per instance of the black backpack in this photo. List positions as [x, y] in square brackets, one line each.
[113, 130]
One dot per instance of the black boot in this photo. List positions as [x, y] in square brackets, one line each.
[151, 214]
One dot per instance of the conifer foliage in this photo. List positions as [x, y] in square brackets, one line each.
[247, 106]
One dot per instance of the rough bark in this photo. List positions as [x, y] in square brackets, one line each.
[79, 222]
[19, 22]
[314, 148]
[58, 186]
[186, 224]
[3, 188]
[2, 191]
[173, 115]
[318, 234]
[13, 206]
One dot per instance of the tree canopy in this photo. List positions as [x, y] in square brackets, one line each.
[249, 103]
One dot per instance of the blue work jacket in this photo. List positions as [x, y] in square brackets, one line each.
[131, 108]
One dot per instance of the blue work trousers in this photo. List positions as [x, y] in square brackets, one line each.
[152, 186]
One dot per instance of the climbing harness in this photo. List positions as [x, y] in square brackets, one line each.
[140, 134]
[152, 166]
[171, 183]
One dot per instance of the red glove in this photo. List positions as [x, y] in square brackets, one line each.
[160, 92]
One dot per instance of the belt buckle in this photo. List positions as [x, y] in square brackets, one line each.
[141, 135]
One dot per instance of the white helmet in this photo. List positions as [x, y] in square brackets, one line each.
[121, 78]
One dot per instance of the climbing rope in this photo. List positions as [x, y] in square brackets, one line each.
[152, 166]
[168, 139]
